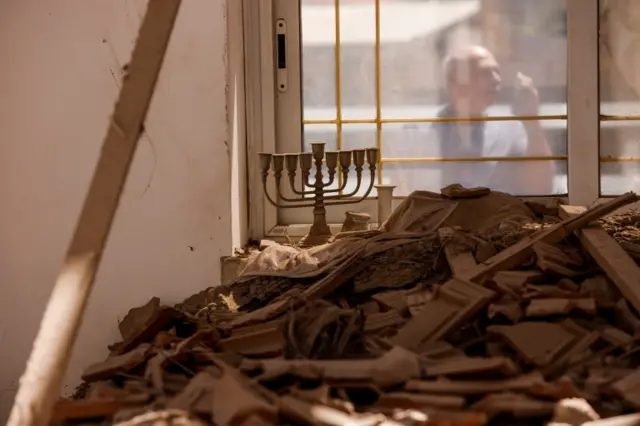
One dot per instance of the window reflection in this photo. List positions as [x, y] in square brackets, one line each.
[445, 59]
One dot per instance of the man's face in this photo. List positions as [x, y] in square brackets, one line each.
[479, 86]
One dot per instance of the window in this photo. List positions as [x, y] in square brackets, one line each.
[370, 73]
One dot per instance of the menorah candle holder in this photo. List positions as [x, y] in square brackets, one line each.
[323, 197]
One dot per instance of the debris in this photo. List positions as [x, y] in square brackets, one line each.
[612, 258]
[398, 328]
[573, 412]
[458, 191]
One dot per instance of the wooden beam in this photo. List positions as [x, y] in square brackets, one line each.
[609, 255]
[49, 359]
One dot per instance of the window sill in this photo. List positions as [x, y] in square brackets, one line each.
[286, 233]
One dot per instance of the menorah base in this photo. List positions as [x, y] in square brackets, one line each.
[318, 235]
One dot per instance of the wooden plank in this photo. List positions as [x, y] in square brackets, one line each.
[41, 381]
[621, 269]
[461, 262]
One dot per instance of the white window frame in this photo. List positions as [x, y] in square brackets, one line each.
[264, 123]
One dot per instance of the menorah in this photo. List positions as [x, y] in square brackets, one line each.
[320, 232]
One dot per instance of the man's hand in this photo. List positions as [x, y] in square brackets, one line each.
[526, 100]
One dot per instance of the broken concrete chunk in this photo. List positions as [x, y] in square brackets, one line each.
[197, 396]
[394, 367]
[465, 366]
[439, 351]
[117, 364]
[537, 342]
[143, 323]
[379, 321]
[266, 342]
[629, 389]
[547, 307]
[66, 410]
[541, 291]
[520, 406]
[626, 420]
[475, 387]
[615, 336]
[568, 285]
[458, 191]
[456, 302]
[573, 412]
[513, 282]
[297, 411]
[394, 299]
[417, 299]
[599, 288]
[461, 259]
[234, 401]
[553, 260]
[626, 316]
[510, 310]
[137, 318]
[417, 401]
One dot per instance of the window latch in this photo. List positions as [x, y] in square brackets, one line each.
[281, 52]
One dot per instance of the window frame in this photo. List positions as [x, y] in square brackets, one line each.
[268, 110]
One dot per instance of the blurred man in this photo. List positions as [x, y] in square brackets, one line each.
[473, 82]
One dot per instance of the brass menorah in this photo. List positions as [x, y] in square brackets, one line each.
[319, 232]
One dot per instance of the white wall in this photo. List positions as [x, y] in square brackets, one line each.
[59, 78]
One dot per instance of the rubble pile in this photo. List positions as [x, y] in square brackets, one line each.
[532, 320]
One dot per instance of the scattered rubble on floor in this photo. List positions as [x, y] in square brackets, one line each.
[470, 308]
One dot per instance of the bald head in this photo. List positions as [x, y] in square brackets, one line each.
[459, 64]
[473, 78]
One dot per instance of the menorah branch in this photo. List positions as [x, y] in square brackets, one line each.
[292, 183]
[366, 194]
[276, 204]
[352, 193]
[345, 178]
[278, 179]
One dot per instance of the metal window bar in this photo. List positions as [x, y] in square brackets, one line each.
[378, 93]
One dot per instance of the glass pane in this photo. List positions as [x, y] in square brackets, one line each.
[317, 27]
[619, 57]
[427, 59]
[319, 133]
[358, 59]
[407, 143]
[522, 178]
[358, 136]
[619, 96]
[620, 157]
